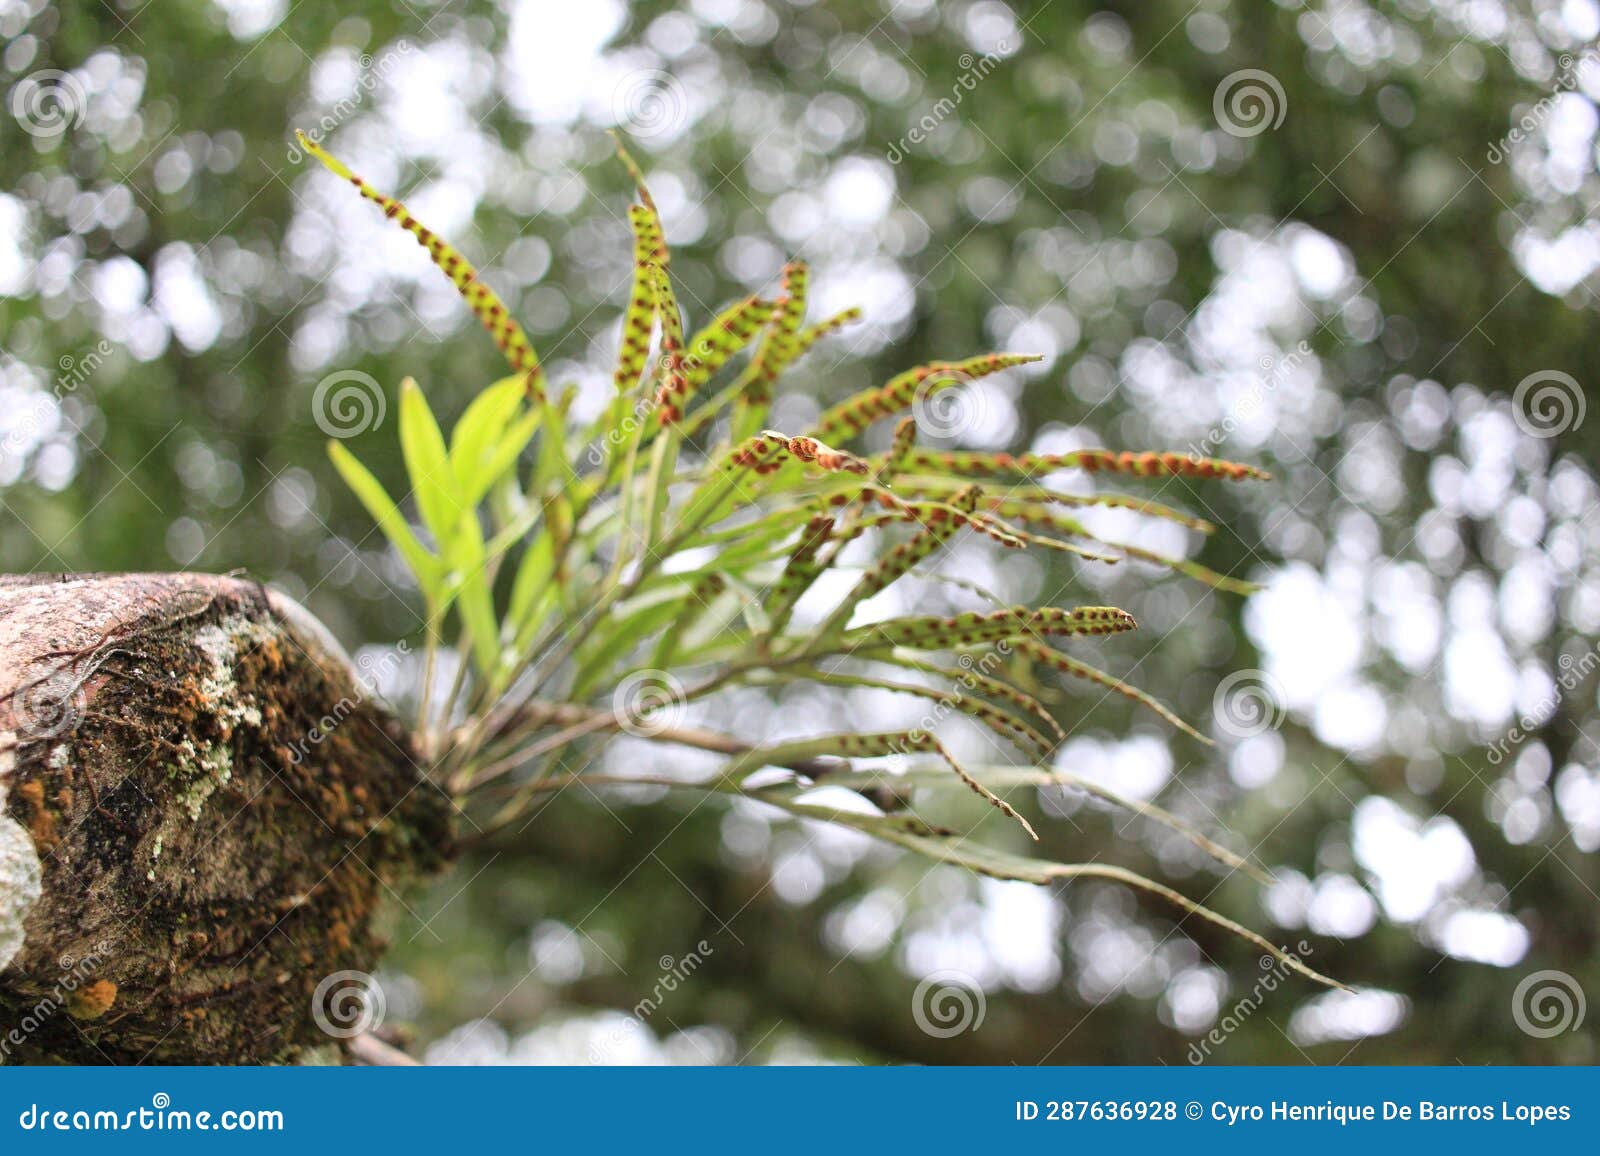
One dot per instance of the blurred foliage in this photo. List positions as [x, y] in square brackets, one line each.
[1093, 195]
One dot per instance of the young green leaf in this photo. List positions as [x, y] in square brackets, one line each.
[433, 481]
[424, 565]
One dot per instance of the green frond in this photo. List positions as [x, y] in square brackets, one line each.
[931, 632]
[1047, 656]
[484, 302]
[972, 463]
[675, 536]
[850, 417]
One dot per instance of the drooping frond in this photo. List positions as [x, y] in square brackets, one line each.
[484, 302]
[1066, 664]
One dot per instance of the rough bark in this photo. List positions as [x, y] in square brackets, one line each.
[202, 811]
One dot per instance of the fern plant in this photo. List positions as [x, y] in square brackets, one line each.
[593, 577]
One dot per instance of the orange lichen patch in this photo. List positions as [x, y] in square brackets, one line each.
[92, 1001]
[235, 860]
[41, 820]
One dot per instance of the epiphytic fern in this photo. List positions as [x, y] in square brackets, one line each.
[673, 540]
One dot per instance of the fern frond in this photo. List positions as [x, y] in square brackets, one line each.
[484, 302]
[851, 416]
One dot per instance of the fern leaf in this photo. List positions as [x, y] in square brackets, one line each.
[1152, 464]
[932, 632]
[850, 417]
[1047, 656]
[484, 302]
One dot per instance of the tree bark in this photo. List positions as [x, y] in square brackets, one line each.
[202, 811]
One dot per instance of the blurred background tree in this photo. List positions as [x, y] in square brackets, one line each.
[1353, 243]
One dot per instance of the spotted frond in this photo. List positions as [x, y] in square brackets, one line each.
[850, 417]
[483, 301]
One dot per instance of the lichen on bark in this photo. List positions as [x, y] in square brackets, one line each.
[203, 861]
